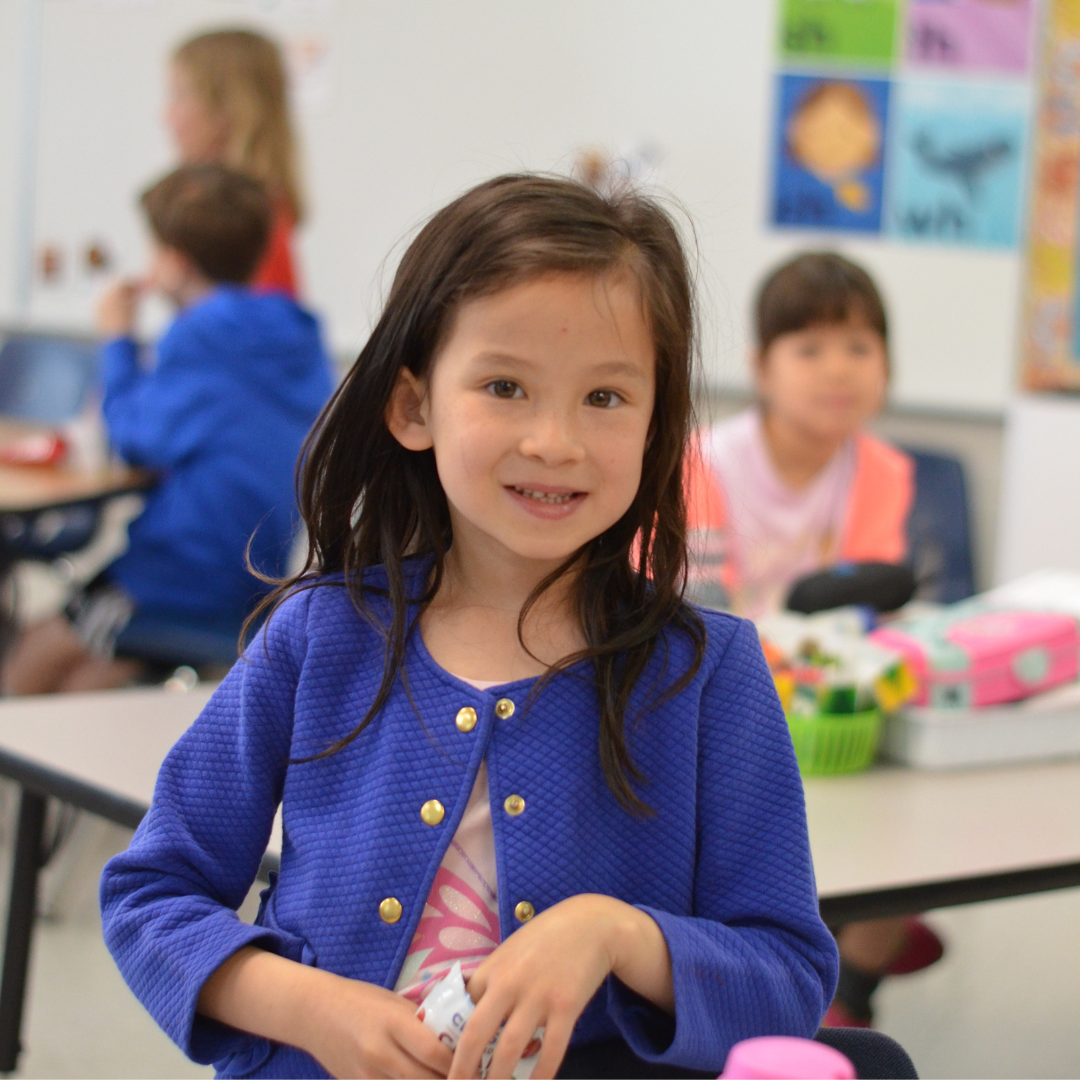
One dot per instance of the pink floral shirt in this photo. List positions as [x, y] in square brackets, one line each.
[461, 917]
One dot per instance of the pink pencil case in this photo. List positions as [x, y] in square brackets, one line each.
[969, 654]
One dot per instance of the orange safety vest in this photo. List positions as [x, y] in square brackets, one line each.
[874, 528]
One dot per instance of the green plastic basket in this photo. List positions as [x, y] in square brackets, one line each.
[829, 745]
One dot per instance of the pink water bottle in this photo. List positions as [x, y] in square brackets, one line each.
[780, 1057]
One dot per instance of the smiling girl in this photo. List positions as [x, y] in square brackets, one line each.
[497, 732]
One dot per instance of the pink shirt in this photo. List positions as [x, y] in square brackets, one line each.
[775, 534]
[461, 917]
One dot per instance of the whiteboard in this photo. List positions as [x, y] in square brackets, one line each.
[417, 99]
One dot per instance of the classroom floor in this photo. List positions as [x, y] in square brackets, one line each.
[1004, 1002]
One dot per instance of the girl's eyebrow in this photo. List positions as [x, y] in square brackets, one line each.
[607, 368]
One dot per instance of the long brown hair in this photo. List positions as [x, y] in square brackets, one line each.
[368, 501]
[239, 74]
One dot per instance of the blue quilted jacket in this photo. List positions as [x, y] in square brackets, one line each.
[723, 865]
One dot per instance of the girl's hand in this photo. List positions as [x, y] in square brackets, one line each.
[368, 1031]
[545, 974]
[351, 1028]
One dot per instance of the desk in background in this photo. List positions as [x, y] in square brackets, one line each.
[897, 841]
[50, 510]
[887, 842]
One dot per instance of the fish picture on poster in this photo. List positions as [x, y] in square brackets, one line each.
[829, 144]
[957, 163]
[971, 35]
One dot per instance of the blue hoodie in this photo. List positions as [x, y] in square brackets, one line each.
[240, 377]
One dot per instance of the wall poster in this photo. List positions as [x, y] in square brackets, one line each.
[829, 153]
[909, 120]
[1051, 341]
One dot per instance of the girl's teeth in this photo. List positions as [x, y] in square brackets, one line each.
[543, 496]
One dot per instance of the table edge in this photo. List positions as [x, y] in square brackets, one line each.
[61, 785]
[95, 800]
[839, 908]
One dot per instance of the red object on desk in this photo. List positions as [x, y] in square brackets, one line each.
[47, 448]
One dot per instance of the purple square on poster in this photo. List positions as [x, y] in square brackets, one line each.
[973, 35]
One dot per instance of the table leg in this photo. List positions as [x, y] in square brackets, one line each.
[22, 911]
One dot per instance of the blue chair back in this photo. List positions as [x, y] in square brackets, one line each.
[44, 378]
[939, 529]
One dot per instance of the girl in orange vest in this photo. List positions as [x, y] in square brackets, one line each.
[794, 484]
[228, 104]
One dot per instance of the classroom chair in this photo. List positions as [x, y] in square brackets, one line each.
[167, 642]
[939, 530]
[874, 1055]
[45, 378]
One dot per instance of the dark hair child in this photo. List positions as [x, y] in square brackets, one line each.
[499, 735]
[795, 483]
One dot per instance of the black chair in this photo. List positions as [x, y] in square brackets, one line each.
[874, 1055]
[939, 529]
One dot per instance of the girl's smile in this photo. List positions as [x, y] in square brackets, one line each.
[546, 502]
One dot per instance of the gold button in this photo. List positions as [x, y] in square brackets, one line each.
[524, 911]
[514, 805]
[390, 910]
[504, 708]
[432, 812]
[466, 718]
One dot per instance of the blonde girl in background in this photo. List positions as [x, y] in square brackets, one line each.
[228, 105]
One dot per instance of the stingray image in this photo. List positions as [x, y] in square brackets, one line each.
[966, 165]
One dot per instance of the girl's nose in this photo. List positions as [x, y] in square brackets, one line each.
[552, 438]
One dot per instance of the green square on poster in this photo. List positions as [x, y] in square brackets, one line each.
[841, 31]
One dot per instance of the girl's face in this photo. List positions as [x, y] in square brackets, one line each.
[828, 379]
[538, 409]
[198, 133]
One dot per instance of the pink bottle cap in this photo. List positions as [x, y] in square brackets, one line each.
[780, 1057]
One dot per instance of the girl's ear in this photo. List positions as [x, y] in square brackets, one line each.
[406, 415]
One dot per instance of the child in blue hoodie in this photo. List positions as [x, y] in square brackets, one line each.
[219, 417]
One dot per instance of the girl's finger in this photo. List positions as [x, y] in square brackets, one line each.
[423, 1045]
[477, 984]
[479, 1031]
[514, 1039]
[397, 1062]
[557, 1034]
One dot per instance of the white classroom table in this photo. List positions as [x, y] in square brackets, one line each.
[887, 842]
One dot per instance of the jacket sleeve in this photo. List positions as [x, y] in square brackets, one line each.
[754, 957]
[169, 902]
[157, 417]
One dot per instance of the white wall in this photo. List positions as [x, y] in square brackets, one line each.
[1039, 522]
[11, 104]
[422, 98]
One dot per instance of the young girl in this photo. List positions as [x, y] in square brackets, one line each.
[497, 732]
[794, 484]
[227, 104]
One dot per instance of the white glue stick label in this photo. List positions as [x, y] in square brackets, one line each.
[446, 1009]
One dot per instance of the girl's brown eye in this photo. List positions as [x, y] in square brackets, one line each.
[603, 399]
[503, 388]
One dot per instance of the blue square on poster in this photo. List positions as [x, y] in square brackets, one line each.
[828, 151]
[957, 162]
